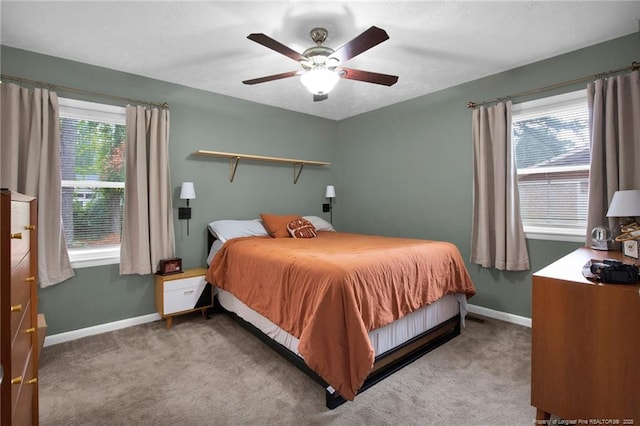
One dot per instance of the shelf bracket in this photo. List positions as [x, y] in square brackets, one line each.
[234, 160]
[233, 166]
[296, 176]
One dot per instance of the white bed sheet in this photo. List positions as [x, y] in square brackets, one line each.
[217, 245]
[382, 339]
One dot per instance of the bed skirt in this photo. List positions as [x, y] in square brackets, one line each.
[441, 328]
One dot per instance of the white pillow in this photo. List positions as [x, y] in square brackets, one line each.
[227, 229]
[319, 223]
[215, 247]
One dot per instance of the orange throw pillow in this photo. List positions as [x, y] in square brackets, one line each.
[301, 228]
[277, 224]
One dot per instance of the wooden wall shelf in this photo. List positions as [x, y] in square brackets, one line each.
[234, 160]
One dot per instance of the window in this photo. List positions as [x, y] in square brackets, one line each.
[551, 139]
[92, 139]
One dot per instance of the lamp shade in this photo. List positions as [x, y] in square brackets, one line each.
[330, 192]
[320, 80]
[625, 204]
[188, 191]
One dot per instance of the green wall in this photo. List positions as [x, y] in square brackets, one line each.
[407, 169]
[403, 170]
[199, 120]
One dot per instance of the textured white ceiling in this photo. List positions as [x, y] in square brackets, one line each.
[433, 44]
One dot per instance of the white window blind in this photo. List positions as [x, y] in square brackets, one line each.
[551, 138]
[92, 162]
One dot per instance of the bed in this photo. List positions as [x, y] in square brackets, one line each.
[347, 309]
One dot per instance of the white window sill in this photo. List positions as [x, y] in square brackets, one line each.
[87, 258]
[549, 234]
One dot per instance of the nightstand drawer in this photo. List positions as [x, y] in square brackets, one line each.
[182, 295]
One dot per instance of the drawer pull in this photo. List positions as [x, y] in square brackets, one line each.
[16, 380]
[33, 381]
[188, 292]
[30, 227]
[30, 279]
[16, 236]
[16, 308]
[30, 330]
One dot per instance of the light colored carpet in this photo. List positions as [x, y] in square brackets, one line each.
[213, 372]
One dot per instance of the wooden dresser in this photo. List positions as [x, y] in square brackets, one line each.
[18, 309]
[585, 354]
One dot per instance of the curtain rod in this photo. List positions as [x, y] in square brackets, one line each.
[635, 65]
[84, 92]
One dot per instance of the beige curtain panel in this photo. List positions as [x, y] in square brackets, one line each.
[497, 235]
[30, 164]
[614, 122]
[147, 230]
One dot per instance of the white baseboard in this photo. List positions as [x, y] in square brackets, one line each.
[117, 325]
[98, 329]
[502, 316]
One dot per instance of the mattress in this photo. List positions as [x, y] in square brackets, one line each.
[331, 291]
[382, 339]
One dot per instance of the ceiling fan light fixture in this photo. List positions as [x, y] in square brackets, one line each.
[319, 80]
[321, 65]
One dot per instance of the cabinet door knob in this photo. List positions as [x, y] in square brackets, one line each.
[16, 308]
[16, 380]
[30, 330]
[30, 227]
[16, 236]
[33, 381]
[30, 279]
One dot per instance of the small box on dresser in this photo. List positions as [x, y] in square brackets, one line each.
[631, 248]
[178, 294]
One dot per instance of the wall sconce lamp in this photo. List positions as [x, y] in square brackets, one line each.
[187, 192]
[329, 193]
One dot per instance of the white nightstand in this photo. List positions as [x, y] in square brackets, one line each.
[181, 293]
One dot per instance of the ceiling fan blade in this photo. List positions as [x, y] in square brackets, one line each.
[365, 41]
[272, 77]
[369, 77]
[318, 98]
[267, 41]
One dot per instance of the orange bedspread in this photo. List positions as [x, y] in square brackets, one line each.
[330, 291]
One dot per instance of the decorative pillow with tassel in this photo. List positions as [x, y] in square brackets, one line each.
[301, 228]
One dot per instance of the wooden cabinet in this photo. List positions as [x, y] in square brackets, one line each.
[585, 359]
[18, 309]
[181, 293]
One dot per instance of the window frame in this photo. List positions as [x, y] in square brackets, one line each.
[93, 111]
[537, 107]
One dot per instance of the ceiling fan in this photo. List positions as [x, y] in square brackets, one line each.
[322, 66]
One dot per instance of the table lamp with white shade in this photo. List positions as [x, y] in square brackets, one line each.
[626, 205]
